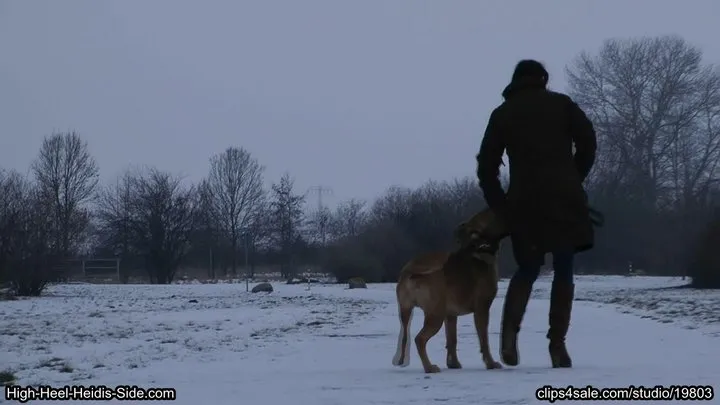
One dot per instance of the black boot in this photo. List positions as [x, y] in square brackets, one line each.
[561, 298]
[516, 300]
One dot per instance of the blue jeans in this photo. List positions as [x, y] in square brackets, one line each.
[562, 268]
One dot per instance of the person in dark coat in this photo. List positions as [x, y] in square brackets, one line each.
[546, 207]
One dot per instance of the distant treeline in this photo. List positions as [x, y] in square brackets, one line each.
[654, 104]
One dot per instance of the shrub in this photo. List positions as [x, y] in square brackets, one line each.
[704, 266]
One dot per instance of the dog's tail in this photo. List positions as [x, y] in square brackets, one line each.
[402, 353]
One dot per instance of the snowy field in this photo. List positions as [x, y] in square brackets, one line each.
[217, 344]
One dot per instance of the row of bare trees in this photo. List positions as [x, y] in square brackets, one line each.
[656, 108]
[151, 219]
[157, 221]
[655, 105]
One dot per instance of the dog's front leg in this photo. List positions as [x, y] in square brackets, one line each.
[482, 319]
[451, 342]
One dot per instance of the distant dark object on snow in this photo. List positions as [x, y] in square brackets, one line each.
[193, 301]
[356, 282]
[263, 287]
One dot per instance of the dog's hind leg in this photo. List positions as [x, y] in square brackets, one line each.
[402, 353]
[451, 342]
[431, 326]
[482, 319]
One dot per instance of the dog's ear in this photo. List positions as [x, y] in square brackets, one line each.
[460, 230]
[481, 220]
[492, 221]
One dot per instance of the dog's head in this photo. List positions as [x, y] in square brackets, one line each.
[483, 230]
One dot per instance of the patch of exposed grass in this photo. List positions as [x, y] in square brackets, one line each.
[7, 377]
[66, 368]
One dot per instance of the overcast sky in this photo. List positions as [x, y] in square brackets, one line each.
[353, 95]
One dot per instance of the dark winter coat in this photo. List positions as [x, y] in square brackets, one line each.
[546, 206]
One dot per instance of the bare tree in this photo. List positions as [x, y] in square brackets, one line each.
[286, 210]
[12, 201]
[165, 218]
[208, 235]
[321, 224]
[695, 152]
[115, 218]
[153, 215]
[464, 198]
[66, 175]
[349, 218]
[393, 206]
[25, 257]
[234, 194]
[655, 107]
[261, 234]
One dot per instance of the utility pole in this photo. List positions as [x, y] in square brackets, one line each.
[246, 243]
[320, 191]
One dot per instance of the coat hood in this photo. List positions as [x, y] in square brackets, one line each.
[523, 83]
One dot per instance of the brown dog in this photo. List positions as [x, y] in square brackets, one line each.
[447, 285]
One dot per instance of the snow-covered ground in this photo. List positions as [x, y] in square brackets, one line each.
[217, 344]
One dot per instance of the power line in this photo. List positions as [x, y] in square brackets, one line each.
[320, 191]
